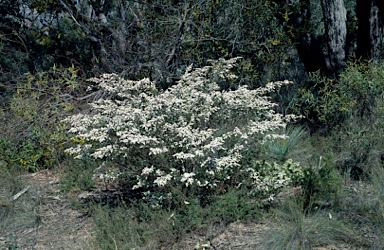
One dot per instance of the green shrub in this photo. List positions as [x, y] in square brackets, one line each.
[360, 145]
[329, 102]
[269, 177]
[351, 108]
[140, 225]
[33, 133]
[232, 206]
[321, 182]
[78, 176]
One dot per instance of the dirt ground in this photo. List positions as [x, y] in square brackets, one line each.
[53, 223]
[59, 226]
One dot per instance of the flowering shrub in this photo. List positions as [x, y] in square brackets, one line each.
[192, 135]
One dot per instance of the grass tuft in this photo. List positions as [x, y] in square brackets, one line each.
[296, 229]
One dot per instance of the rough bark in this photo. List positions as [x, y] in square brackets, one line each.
[370, 31]
[376, 30]
[335, 22]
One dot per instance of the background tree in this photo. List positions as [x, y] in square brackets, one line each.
[335, 22]
[340, 37]
[154, 38]
[278, 39]
[13, 48]
[376, 29]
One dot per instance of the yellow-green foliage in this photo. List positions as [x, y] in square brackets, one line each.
[353, 95]
[352, 110]
[33, 134]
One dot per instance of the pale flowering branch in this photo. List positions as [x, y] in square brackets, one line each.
[193, 133]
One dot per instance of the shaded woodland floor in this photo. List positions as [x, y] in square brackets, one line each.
[48, 220]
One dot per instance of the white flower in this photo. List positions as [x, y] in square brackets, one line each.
[210, 172]
[162, 180]
[187, 179]
[183, 156]
[147, 171]
[193, 125]
[103, 152]
[138, 185]
[157, 151]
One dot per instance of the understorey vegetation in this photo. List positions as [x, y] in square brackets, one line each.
[194, 136]
[203, 153]
[166, 119]
[199, 146]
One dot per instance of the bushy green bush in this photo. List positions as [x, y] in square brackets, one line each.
[139, 225]
[351, 109]
[321, 182]
[33, 133]
[329, 102]
[192, 136]
[360, 142]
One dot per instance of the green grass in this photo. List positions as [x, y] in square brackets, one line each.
[78, 175]
[296, 229]
[16, 214]
[138, 225]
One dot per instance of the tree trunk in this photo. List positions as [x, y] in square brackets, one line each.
[376, 30]
[308, 47]
[335, 21]
[363, 11]
[370, 31]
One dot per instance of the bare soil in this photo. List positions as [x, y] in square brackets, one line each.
[53, 223]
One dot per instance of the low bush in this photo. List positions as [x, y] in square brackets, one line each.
[351, 110]
[32, 131]
[192, 136]
[140, 225]
[321, 182]
[78, 175]
[328, 102]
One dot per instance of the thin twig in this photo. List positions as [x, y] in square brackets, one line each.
[17, 196]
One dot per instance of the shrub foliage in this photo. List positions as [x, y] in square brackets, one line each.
[193, 135]
[33, 133]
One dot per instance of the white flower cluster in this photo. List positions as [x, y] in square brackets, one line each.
[195, 133]
[109, 176]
